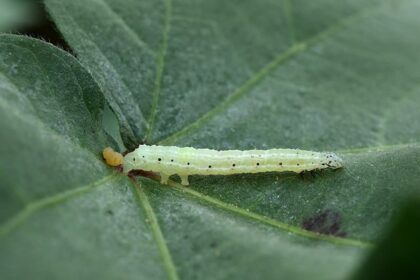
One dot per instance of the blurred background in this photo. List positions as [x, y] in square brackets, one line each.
[28, 17]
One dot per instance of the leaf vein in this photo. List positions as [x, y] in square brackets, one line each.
[269, 221]
[246, 87]
[376, 149]
[160, 67]
[127, 28]
[288, 11]
[157, 233]
[33, 207]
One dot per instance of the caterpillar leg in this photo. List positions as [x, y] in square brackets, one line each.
[184, 180]
[164, 178]
[308, 174]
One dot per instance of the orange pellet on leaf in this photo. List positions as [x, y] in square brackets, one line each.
[111, 157]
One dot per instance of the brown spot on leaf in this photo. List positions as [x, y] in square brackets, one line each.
[326, 222]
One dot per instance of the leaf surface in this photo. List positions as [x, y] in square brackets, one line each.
[64, 214]
[261, 74]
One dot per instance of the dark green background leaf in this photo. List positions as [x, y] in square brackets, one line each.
[16, 13]
[398, 253]
[325, 75]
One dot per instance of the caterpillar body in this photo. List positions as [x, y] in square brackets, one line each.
[169, 160]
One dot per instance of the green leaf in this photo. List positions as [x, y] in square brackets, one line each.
[324, 76]
[398, 253]
[63, 213]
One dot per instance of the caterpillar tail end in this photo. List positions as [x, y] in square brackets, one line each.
[112, 158]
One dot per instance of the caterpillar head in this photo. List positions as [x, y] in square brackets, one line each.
[112, 158]
[333, 161]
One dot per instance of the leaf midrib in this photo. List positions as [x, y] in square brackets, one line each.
[160, 240]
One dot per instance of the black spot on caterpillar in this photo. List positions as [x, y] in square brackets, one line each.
[169, 160]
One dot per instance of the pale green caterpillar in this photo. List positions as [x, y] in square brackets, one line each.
[187, 161]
